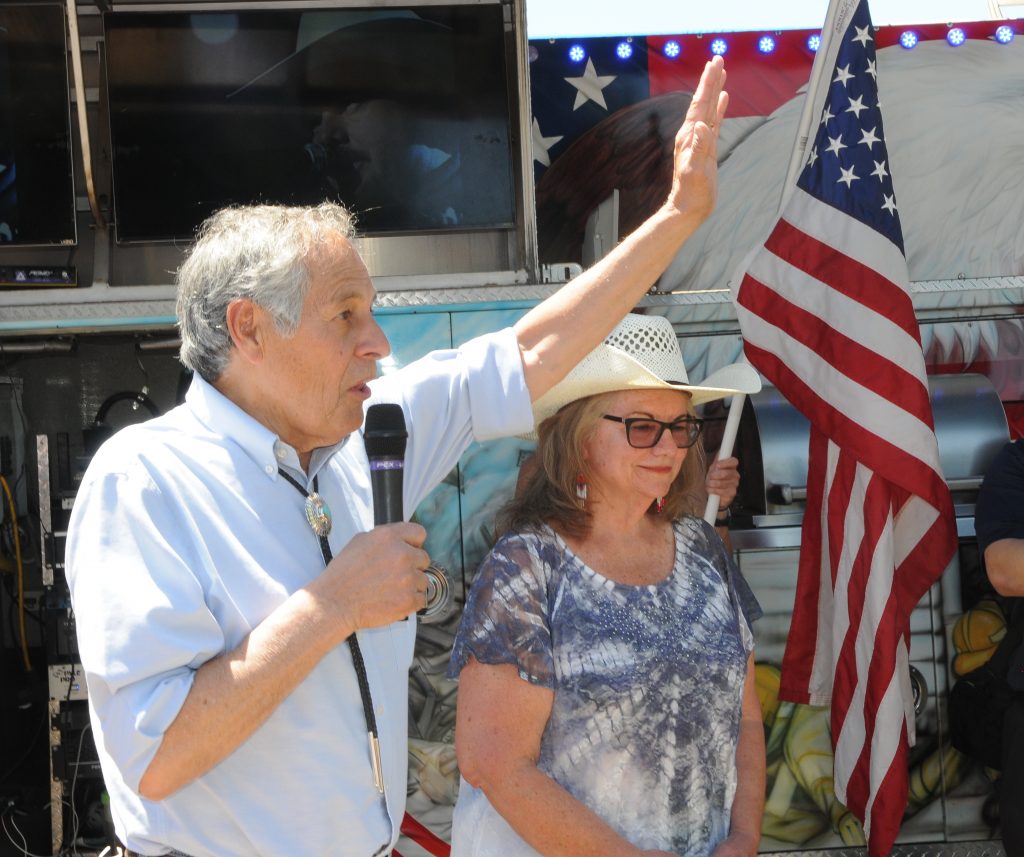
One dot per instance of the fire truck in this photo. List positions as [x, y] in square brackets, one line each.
[485, 170]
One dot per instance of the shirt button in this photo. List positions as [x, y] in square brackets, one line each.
[281, 453]
[269, 468]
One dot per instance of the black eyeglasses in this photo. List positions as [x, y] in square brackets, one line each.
[643, 432]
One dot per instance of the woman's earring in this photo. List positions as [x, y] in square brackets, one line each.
[581, 488]
[659, 505]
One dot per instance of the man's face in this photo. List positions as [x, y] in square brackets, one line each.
[314, 382]
[367, 142]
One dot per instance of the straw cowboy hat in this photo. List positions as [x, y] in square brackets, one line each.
[642, 353]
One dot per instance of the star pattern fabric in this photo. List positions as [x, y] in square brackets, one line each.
[590, 86]
[541, 144]
[849, 148]
[577, 83]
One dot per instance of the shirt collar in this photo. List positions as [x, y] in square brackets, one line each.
[222, 416]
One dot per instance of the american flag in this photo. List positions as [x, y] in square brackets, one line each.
[826, 315]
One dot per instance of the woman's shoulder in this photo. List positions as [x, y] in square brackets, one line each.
[532, 540]
[540, 537]
[697, 538]
[696, 532]
[538, 548]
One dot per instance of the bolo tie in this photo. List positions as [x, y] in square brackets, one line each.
[318, 514]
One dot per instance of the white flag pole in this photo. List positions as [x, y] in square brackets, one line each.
[836, 21]
[732, 424]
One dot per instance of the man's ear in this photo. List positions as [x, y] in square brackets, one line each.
[245, 321]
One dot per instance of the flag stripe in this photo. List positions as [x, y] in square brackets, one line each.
[839, 394]
[874, 371]
[889, 798]
[931, 551]
[855, 280]
[874, 654]
[899, 463]
[861, 243]
[843, 487]
[804, 666]
[861, 530]
[851, 319]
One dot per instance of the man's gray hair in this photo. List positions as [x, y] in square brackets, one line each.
[259, 252]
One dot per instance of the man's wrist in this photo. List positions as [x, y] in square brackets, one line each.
[723, 517]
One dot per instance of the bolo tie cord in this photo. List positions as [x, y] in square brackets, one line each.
[353, 643]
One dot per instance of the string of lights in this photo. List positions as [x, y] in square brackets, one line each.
[674, 47]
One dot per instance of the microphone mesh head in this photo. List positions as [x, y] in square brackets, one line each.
[384, 434]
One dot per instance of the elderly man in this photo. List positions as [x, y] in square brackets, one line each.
[233, 677]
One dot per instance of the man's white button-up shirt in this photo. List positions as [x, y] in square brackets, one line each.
[184, 537]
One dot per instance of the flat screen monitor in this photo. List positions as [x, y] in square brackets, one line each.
[402, 114]
[37, 194]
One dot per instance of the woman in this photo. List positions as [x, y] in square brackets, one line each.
[606, 693]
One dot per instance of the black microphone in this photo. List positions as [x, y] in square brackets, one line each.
[385, 437]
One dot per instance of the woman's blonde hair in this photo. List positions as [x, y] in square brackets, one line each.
[548, 493]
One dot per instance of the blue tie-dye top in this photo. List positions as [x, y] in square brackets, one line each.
[647, 681]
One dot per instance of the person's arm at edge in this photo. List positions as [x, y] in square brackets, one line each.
[592, 304]
[1004, 563]
[999, 520]
[748, 803]
[498, 747]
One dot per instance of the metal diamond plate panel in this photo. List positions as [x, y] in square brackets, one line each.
[100, 308]
[917, 849]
